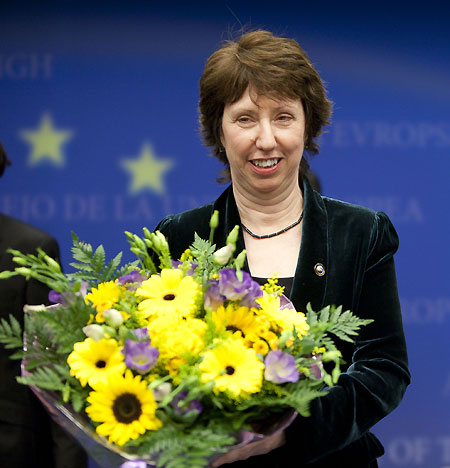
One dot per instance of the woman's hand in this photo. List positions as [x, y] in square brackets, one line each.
[253, 448]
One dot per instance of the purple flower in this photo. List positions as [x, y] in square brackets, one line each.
[134, 464]
[132, 277]
[140, 355]
[317, 367]
[285, 303]
[63, 298]
[228, 287]
[182, 408]
[190, 272]
[213, 298]
[142, 334]
[55, 297]
[83, 289]
[280, 367]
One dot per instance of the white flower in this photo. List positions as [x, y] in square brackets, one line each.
[113, 317]
[33, 308]
[223, 255]
[94, 331]
[161, 391]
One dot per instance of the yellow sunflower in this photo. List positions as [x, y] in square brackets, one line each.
[93, 361]
[124, 406]
[104, 297]
[284, 319]
[233, 367]
[241, 321]
[167, 293]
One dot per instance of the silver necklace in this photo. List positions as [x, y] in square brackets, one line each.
[275, 234]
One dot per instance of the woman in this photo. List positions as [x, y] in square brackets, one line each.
[262, 104]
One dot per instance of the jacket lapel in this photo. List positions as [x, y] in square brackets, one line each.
[228, 218]
[309, 285]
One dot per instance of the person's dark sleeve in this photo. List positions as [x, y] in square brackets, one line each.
[378, 375]
[67, 453]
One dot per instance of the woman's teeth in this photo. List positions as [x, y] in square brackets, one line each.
[265, 162]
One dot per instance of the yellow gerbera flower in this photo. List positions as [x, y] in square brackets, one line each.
[284, 319]
[103, 297]
[233, 367]
[124, 406]
[239, 320]
[93, 361]
[168, 292]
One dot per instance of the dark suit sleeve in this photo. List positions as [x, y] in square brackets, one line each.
[36, 292]
[67, 453]
[377, 376]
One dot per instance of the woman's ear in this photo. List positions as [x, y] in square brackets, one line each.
[221, 138]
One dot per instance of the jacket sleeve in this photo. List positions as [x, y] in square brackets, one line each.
[377, 376]
[66, 452]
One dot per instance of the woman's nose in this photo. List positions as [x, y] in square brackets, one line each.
[265, 137]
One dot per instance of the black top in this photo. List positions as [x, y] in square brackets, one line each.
[285, 282]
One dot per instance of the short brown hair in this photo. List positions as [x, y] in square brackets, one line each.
[270, 65]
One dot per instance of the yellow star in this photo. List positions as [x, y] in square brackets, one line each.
[147, 171]
[46, 142]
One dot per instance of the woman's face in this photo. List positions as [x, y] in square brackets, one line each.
[264, 141]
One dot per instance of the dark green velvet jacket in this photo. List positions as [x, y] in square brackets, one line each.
[356, 247]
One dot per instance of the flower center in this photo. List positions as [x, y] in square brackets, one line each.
[127, 408]
[169, 297]
[100, 364]
[233, 329]
[229, 370]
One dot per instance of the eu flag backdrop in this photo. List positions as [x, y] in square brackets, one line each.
[98, 112]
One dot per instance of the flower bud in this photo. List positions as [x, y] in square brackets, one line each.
[108, 331]
[214, 221]
[53, 264]
[20, 260]
[331, 356]
[162, 390]
[223, 255]
[233, 235]
[23, 271]
[139, 242]
[162, 240]
[7, 274]
[33, 308]
[94, 331]
[113, 317]
[156, 242]
[240, 259]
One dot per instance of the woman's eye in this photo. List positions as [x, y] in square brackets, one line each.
[284, 118]
[244, 119]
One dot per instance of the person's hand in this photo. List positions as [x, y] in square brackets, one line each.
[253, 448]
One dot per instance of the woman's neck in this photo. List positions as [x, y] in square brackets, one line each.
[268, 212]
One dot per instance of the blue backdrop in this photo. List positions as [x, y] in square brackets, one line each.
[98, 112]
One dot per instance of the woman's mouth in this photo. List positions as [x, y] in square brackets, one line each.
[265, 163]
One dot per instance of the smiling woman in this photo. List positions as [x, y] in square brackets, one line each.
[264, 141]
[262, 107]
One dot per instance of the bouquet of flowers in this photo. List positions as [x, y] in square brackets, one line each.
[170, 362]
